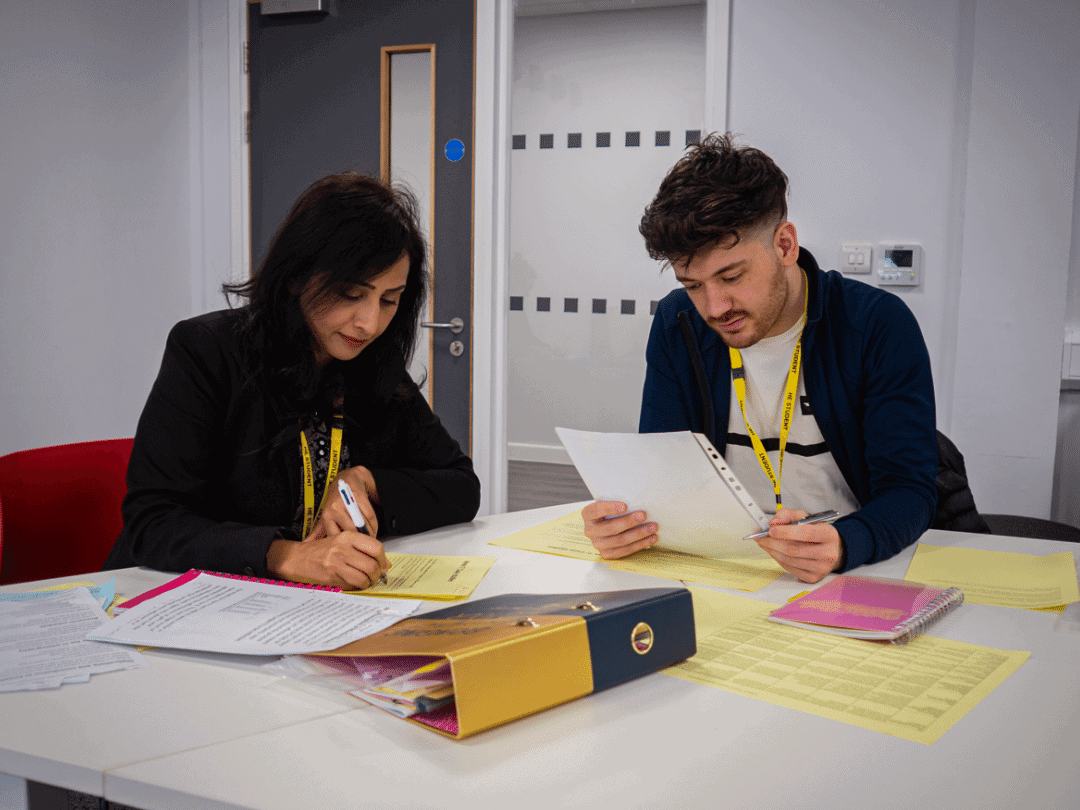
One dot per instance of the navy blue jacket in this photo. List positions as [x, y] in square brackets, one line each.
[867, 376]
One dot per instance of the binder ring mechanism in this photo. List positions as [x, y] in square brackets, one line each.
[586, 606]
[527, 622]
[641, 638]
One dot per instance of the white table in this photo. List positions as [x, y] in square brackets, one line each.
[203, 732]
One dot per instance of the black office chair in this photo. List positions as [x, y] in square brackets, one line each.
[1021, 526]
[956, 510]
[956, 505]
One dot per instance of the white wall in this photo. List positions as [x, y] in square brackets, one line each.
[93, 215]
[118, 206]
[952, 124]
[1025, 106]
[574, 211]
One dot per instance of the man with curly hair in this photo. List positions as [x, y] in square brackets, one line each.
[816, 388]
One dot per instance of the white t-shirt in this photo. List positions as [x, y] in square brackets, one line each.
[810, 480]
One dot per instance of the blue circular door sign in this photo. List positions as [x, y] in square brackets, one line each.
[455, 150]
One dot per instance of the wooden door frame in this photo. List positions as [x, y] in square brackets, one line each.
[385, 54]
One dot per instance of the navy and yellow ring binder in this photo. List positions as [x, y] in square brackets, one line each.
[517, 654]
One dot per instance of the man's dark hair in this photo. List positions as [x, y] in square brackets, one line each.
[715, 193]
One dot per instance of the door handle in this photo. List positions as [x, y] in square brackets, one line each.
[455, 325]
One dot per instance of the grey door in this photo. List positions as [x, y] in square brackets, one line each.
[317, 108]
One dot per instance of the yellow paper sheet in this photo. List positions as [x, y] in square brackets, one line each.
[430, 576]
[1001, 578]
[916, 692]
[741, 575]
[565, 536]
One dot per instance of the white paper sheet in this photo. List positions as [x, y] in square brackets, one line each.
[671, 478]
[214, 614]
[43, 642]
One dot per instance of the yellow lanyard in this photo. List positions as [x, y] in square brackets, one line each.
[738, 381]
[309, 475]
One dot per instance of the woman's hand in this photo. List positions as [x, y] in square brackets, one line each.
[336, 516]
[336, 553]
[348, 560]
[614, 533]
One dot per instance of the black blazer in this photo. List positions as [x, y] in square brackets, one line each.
[209, 487]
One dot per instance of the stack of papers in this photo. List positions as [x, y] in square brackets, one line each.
[43, 642]
[402, 687]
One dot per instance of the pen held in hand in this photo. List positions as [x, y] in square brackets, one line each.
[821, 517]
[354, 512]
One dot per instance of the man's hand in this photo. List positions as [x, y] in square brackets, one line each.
[808, 552]
[620, 536]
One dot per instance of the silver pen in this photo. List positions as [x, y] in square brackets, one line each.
[827, 516]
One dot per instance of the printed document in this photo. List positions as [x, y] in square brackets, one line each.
[679, 480]
[430, 576]
[214, 614]
[43, 641]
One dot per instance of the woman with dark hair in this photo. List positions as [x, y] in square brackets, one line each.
[258, 410]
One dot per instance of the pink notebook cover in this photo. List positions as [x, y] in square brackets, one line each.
[194, 572]
[860, 603]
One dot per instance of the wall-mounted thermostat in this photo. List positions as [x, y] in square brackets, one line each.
[899, 265]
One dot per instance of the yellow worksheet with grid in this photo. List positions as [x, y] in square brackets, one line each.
[915, 691]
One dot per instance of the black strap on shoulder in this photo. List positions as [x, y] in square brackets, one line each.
[699, 374]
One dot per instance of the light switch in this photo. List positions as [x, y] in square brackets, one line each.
[855, 257]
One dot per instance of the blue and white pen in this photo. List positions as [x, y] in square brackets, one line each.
[354, 512]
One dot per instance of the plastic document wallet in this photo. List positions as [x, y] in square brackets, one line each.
[517, 654]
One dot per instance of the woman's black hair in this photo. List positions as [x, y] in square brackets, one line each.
[343, 230]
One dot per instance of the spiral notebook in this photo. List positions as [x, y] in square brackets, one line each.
[872, 608]
[194, 572]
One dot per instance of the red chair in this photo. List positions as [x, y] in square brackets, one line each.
[60, 508]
